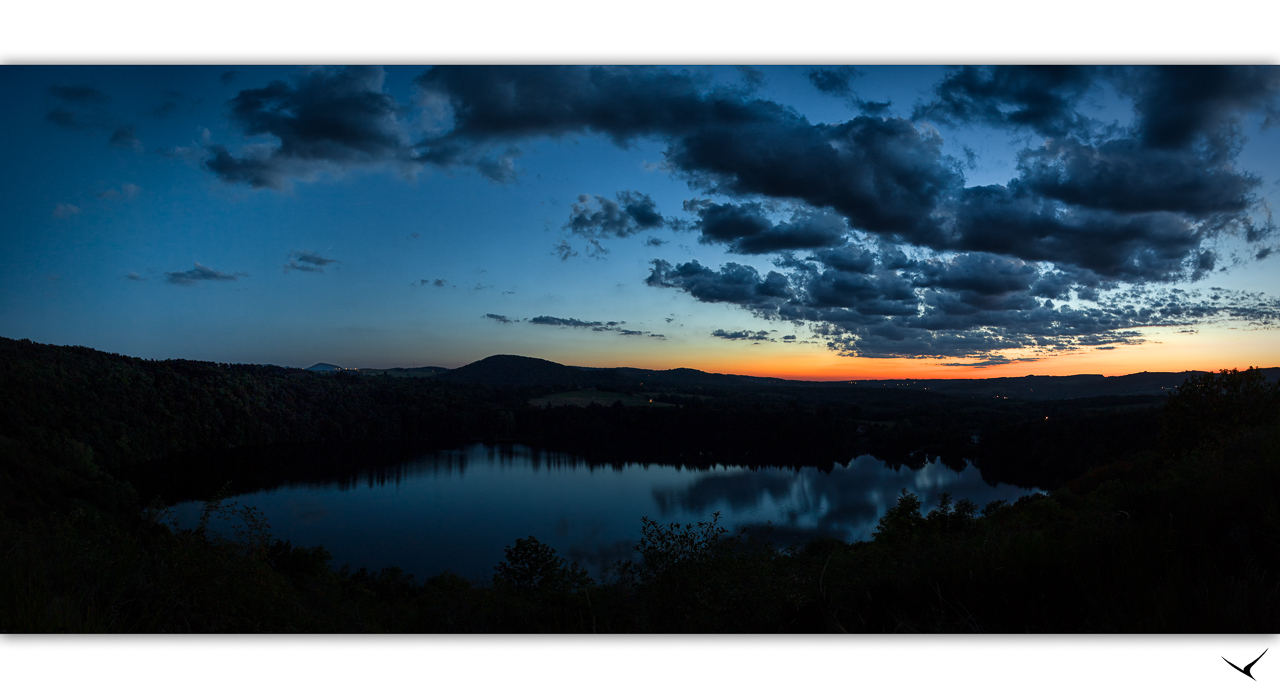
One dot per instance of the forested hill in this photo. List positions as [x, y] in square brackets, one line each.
[75, 405]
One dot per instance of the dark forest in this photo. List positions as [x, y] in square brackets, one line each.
[1161, 513]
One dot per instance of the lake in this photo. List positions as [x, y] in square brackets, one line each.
[456, 509]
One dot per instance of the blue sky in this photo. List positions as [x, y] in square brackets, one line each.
[914, 220]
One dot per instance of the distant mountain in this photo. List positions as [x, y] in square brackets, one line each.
[513, 370]
[689, 378]
[324, 367]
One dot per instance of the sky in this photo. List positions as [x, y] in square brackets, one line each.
[822, 222]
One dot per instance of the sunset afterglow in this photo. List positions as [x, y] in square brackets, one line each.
[823, 223]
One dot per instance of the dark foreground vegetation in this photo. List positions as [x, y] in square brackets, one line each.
[1163, 515]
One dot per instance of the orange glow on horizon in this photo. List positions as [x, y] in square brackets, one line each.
[1211, 349]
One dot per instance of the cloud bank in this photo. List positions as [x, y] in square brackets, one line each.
[881, 246]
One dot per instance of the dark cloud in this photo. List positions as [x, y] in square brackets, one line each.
[883, 175]
[79, 94]
[1130, 204]
[654, 242]
[563, 250]
[838, 82]
[1125, 208]
[200, 273]
[746, 229]
[83, 108]
[1179, 105]
[229, 76]
[886, 252]
[327, 118]
[734, 283]
[614, 326]
[991, 361]
[1149, 246]
[752, 78]
[1042, 98]
[308, 261]
[135, 277]
[500, 318]
[1123, 176]
[569, 322]
[757, 335]
[631, 213]
[834, 81]
[64, 118]
[973, 305]
[125, 137]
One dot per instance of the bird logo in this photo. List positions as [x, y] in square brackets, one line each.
[1248, 667]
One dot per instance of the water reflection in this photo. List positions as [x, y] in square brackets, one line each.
[457, 509]
[845, 503]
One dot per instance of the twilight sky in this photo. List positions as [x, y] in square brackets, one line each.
[806, 222]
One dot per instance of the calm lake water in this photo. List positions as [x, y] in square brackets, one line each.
[456, 510]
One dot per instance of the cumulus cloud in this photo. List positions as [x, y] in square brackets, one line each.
[745, 229]
[325, 119]
[883, 248]
[974, 305]
[563, 250]
[834, 81]
[1179, 106]
[838, 82]
[883, 175]
[1042, 98]
[594, 216]
[500, 318]
[888, 176]
[614, 326]
[307, 261]
[571, 322]
[200, 273]
[755, 336]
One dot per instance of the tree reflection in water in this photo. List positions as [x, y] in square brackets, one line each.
[456, 509]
